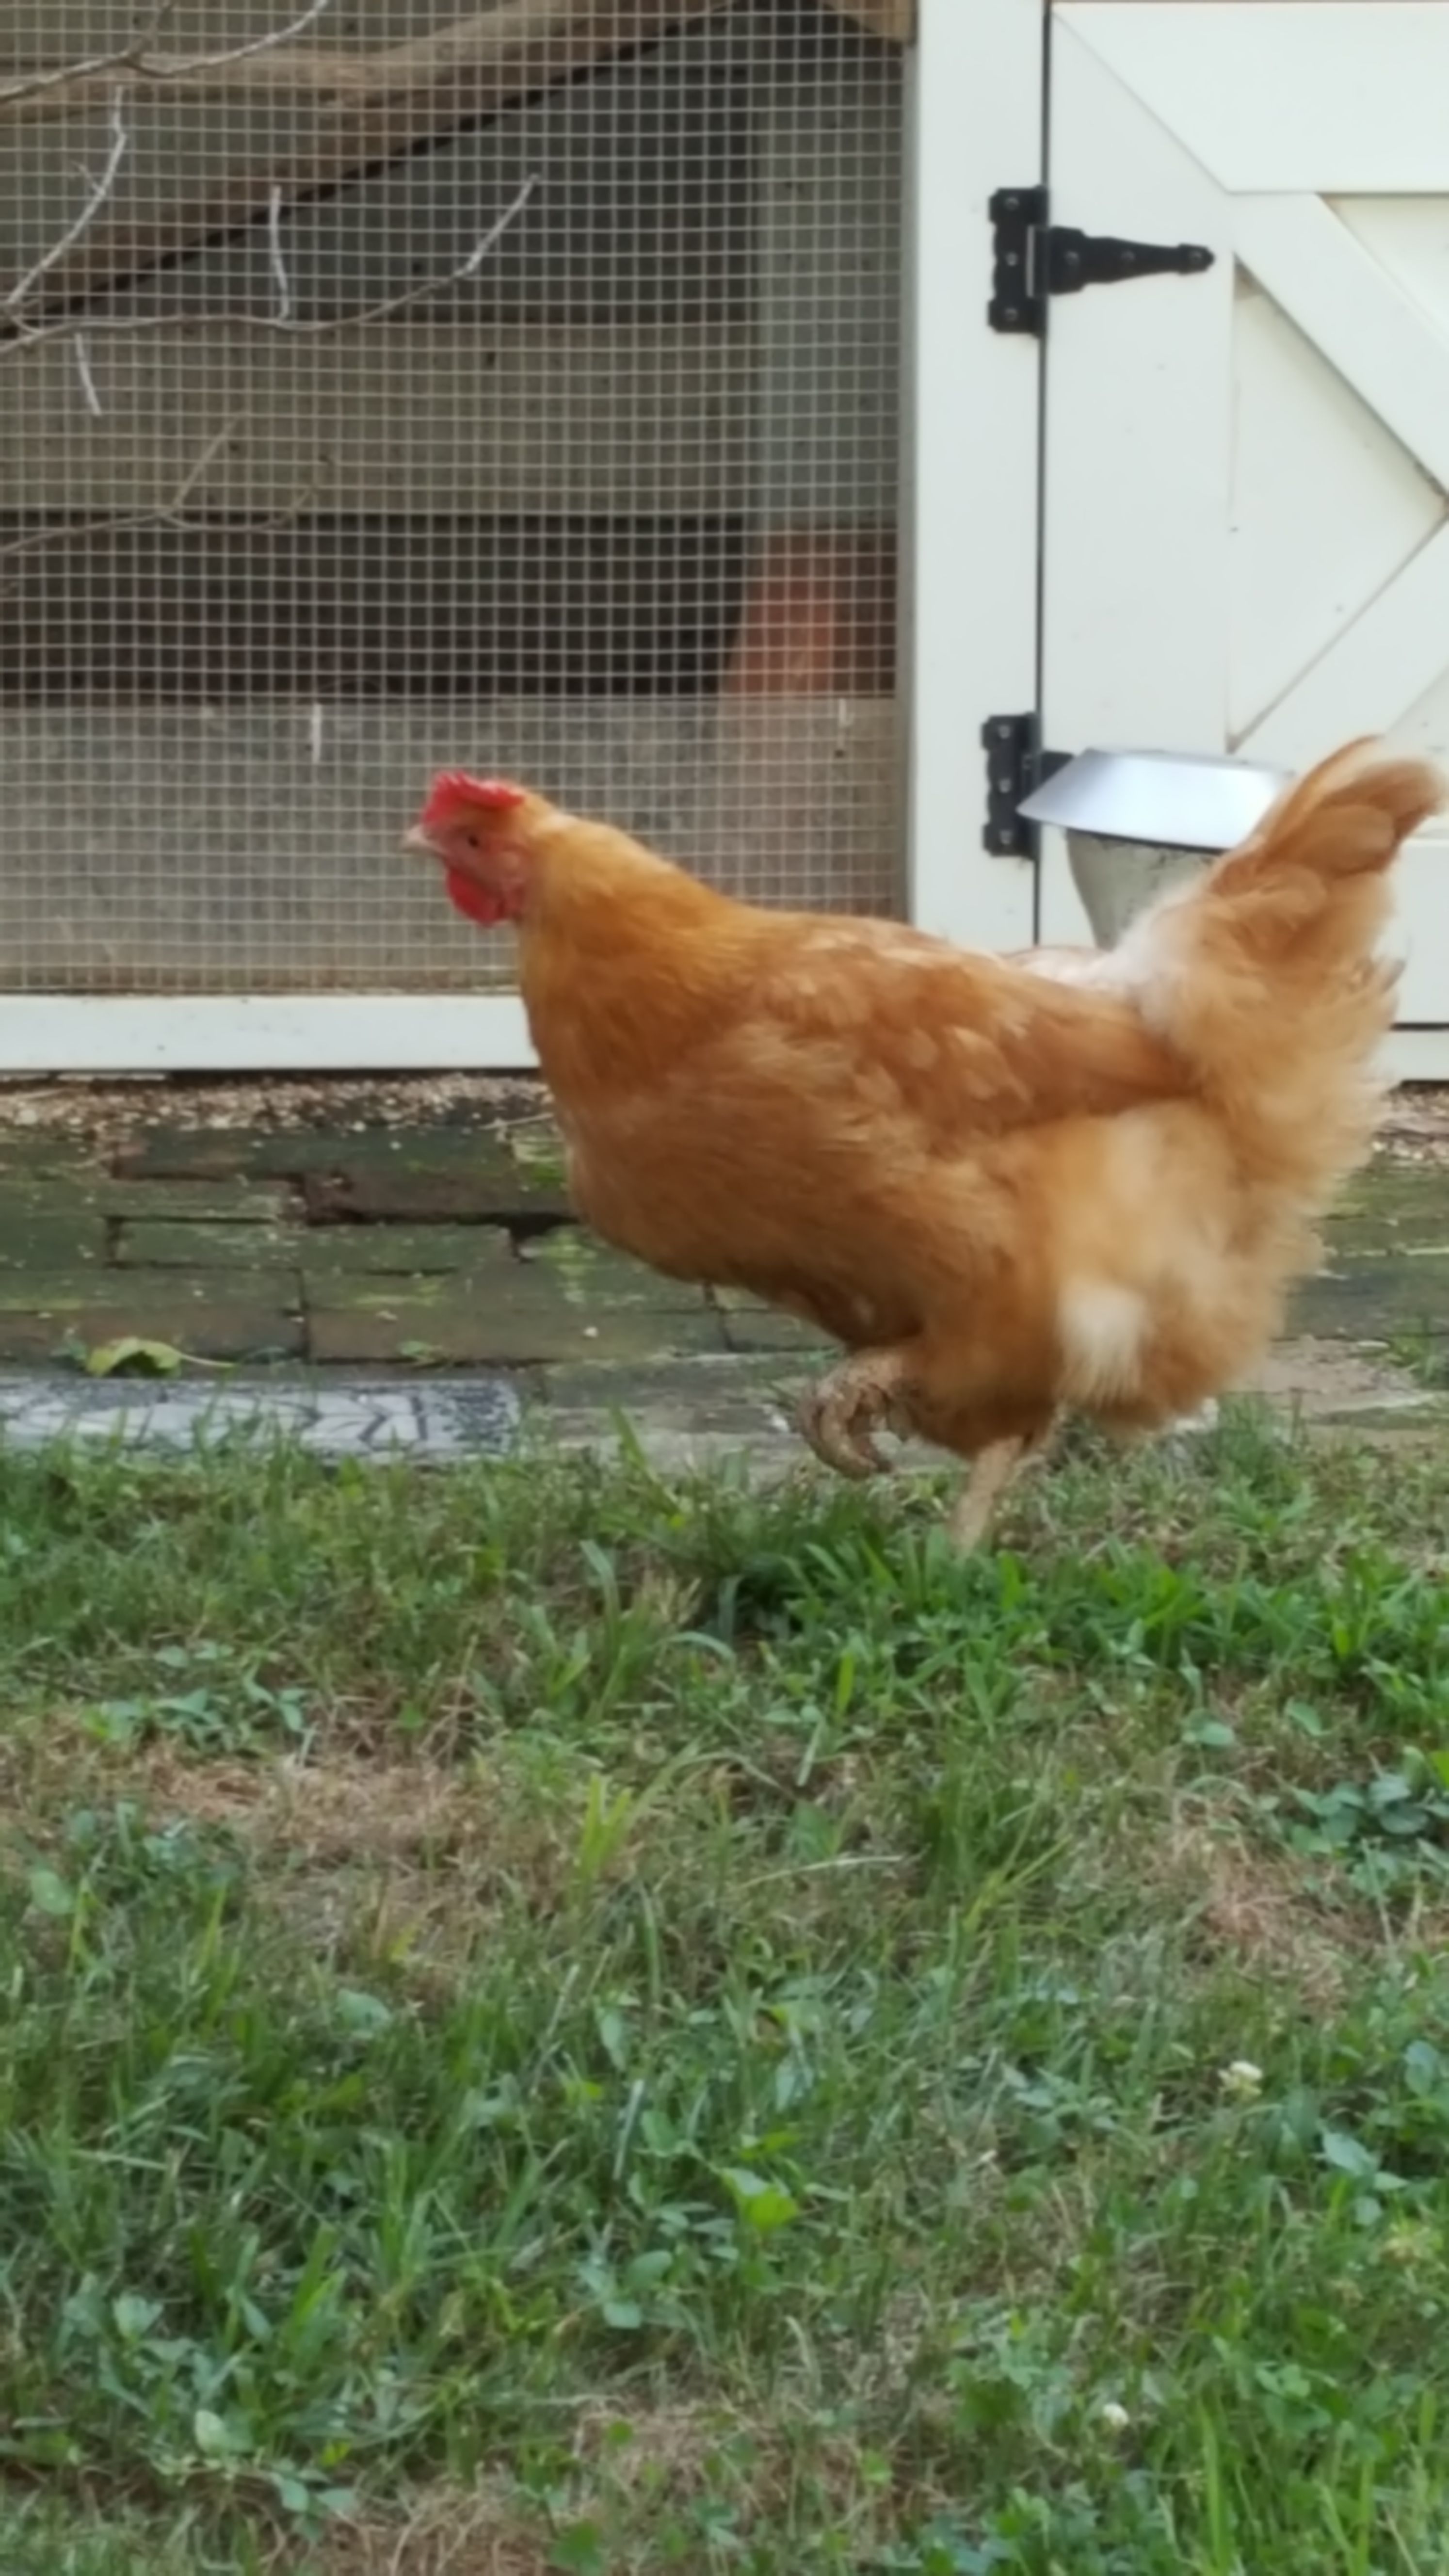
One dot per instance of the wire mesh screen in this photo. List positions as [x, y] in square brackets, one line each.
[384, 385]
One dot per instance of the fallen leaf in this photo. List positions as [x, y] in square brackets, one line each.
[130, 1355]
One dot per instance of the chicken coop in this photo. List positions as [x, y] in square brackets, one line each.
[690, 407]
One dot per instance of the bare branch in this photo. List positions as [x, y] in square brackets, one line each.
[344, 112]
[91, 67]
[100, 190]
[471, 46]
[342, 75]
[170, 514]
[191, 64]
[137, 58]
[26, 335]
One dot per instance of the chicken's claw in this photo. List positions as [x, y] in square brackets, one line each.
[840, 1416]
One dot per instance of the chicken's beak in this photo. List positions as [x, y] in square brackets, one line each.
[415, 838]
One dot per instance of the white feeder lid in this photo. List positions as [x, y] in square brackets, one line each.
[1183, 800]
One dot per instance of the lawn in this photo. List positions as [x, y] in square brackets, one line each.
[554, 2021]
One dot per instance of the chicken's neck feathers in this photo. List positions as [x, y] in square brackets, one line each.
[624, 959]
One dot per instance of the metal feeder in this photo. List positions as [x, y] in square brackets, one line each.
[1138, 822]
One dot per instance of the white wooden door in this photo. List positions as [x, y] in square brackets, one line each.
[1246, 526]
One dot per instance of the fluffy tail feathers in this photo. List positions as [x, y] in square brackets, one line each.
[1264, 976]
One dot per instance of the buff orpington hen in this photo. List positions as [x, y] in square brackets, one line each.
[1007, 1188]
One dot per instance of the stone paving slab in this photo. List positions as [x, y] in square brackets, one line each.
[436, 1180]
[687, 1413]
[1377, 1297]
[236, 1315]
[400, 1251]
[162, 1244]
[351, 1417]
[81, 1192]
[40, 1241]
[749, 1326]
[206, 1203]
[1389, 1233]
[449, 1320]
[588, 1274]
[190, 1156]
[239, 1153]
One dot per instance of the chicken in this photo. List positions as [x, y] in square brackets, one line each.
[1007, 1189]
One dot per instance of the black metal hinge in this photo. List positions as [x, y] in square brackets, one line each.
[1035, 259]
[1015, 765]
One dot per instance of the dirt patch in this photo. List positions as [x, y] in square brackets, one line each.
[1415, 1128]
[1334, 1380]
[104, 1114]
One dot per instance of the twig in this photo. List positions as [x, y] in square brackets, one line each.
[491, 240]
[100, 190]
[33, 336]
[275, 205]
[136, 57]
[94, 404]
[213, 448]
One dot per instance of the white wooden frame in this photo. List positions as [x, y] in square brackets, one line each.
[340, 1033]
[970, 560]
[42, 1033]
[972, 448]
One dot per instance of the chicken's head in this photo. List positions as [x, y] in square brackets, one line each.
[478, 829]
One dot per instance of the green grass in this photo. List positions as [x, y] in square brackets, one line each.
[554, 2021]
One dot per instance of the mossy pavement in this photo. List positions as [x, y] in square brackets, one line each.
[454, 1248]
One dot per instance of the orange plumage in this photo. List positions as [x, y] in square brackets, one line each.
[1005, 1186]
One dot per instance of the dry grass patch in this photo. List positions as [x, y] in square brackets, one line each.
[1255, 1908]
[446, 2532]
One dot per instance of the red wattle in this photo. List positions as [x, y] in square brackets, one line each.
[467, 896]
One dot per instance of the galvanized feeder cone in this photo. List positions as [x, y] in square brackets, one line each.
[1138, 822]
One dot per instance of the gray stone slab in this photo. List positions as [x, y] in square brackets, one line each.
[351, 1418]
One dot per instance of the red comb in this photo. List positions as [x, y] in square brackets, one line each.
[453, 787]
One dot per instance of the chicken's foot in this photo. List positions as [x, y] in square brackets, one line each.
[840, 1416]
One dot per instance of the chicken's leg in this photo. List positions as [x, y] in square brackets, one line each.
[892, 1390]
[990, 1474]
[998, 1445]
